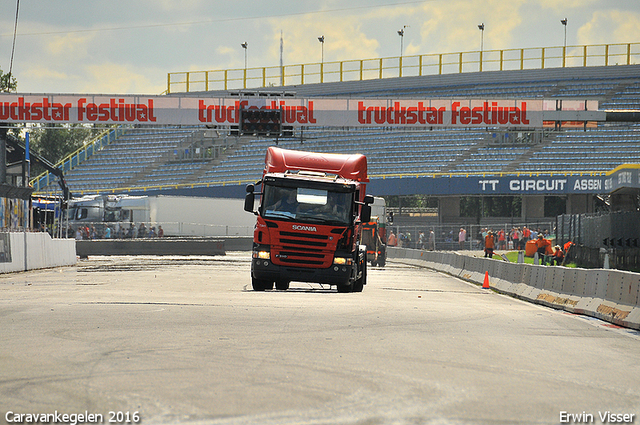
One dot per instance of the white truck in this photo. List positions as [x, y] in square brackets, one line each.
[177, 215]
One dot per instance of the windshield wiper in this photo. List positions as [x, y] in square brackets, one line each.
[279, 214]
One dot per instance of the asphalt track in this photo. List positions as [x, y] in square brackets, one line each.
[185, 340]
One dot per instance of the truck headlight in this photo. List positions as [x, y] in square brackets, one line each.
[342, 261]
[263, 255]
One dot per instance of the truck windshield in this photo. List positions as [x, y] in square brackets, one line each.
[307, 205]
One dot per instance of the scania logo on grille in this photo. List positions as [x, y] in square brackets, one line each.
[307, 228]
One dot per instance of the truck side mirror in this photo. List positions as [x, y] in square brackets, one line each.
[365, 213]
[368, 199]
[249, 198]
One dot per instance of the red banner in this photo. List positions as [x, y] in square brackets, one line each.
[174, 110]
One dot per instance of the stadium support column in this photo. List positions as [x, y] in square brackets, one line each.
[449, 209]
[532, 207]
[580, 204]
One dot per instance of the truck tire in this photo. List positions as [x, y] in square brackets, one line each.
[260, 285]
[345, 288]
[282, 285]
[358, 285]
[382, 261]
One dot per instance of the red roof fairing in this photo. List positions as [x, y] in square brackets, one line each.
[351, 167]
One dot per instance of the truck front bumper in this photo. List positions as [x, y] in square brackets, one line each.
[264, 269]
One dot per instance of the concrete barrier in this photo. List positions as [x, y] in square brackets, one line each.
[156, 246]
[610, 295]
[31, 251]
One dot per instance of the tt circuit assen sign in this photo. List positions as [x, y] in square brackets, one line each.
[490, 186]
[297, 112]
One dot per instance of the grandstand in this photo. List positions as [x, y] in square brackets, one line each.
[154, 159]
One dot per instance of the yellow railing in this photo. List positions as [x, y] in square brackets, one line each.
[405, 66]
[73, 159]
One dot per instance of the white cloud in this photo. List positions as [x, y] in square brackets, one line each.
[610, 26]
[110, 77]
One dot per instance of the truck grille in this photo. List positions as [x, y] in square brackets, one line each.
[302, 250]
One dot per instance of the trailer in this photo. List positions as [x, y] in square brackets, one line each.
[176, 215]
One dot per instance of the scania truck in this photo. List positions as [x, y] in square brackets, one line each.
[309, 220]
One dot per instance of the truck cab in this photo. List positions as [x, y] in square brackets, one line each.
[308, 224]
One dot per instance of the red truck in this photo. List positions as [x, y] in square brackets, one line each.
[309, 221]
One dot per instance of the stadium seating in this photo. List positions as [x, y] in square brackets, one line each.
[144, 158]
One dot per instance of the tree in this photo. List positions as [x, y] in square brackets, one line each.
[55, 142]
[8, 82]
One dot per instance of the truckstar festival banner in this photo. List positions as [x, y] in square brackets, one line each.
[175, 110]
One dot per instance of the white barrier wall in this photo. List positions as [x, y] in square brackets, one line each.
[29, 251]
[611, 295]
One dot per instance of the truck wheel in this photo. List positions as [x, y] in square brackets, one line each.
[260, 285]
[358, 285]
[345, 288]
[282, 285]
[382, 261]
[373, 263]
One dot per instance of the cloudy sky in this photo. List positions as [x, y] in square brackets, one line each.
[118, 46]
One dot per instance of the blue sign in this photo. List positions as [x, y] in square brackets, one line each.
[488, 186]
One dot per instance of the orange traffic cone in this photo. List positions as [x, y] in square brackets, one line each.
[485, 284]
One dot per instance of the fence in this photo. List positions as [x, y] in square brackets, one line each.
[401, 66]
[616, 235]
[135, 230]
[446, 235]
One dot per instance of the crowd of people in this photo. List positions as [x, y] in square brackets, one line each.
[487, 240]
[116, 231]
[519, 239]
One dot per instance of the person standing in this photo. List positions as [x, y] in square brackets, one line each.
[489, 245]
[502, 244]
[462, 237]
[515, 237]
[392, 240]
[432, 240]
[542, 245]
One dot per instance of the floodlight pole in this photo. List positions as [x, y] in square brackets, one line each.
[321, 40]
[481, 28]
[244, 46]
[564, 46]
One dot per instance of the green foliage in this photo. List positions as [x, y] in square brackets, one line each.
[413, 201]
[55, 143]
[8, 82]
[491, 206]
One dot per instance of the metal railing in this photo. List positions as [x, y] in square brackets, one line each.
[404, 66]
[74, 159]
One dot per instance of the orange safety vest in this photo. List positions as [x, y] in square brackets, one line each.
[489, 242]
